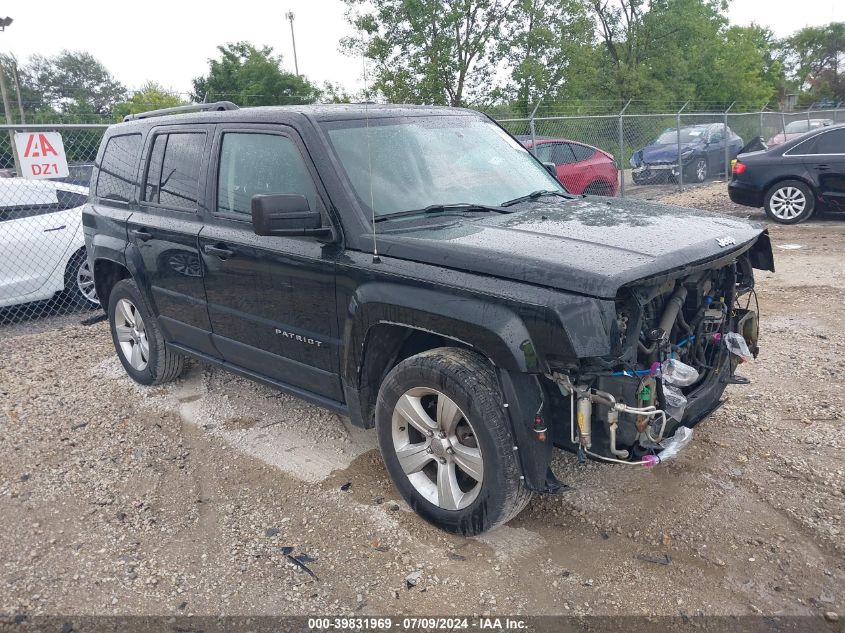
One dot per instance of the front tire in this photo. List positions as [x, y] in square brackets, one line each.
[446, 441]
[789, 202]
[698, 171]
[138, 339]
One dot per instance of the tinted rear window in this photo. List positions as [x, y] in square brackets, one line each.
[832, 142]
[118, 170]
[174, 170]
[582, 152]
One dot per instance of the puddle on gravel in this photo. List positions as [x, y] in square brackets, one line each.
[509, 543]
[303, 440]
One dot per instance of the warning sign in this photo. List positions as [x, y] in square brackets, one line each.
[41, 154]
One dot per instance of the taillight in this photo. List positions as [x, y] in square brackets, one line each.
[739, 168]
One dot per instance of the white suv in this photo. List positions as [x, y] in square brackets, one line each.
[42, 247]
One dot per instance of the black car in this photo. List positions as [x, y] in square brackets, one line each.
[418, 270]
[791, 180]
[702, 150]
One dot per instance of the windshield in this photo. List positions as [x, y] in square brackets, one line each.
[422, 161]
[688, 135]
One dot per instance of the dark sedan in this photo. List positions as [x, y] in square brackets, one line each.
[702, 149]
[791, 180]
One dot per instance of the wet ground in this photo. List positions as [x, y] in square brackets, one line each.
[197, 496]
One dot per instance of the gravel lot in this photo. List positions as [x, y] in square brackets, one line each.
[198, 496]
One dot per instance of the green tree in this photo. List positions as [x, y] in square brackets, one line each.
[252, 76]
[151, 96]
[657, 49]
[334, 93]
[544, 48]
[815, 56]
[441, 52]
[72, 82]
[745, 68]
[670, 51]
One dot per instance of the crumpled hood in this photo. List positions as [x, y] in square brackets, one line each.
[664, 153]
[590, 246]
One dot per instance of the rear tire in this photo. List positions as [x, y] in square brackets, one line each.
[137, 338]
[79, 281]
[789, 202]
[598, 188]
[441, 413]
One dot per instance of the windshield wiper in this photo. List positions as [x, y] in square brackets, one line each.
[442, 208]
[534, 195]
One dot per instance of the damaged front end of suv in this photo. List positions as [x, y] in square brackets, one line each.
[676, 343]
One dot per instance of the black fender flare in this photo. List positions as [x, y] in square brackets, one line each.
[502, 337]
[492, 329]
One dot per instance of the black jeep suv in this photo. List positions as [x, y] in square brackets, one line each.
[417, 270]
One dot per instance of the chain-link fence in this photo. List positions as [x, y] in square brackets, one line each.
[642, 154]
[43, 267]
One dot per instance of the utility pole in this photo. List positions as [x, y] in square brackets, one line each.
[18, 88]
[7, 108]
[289, 15]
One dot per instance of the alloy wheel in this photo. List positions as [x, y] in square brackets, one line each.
[85, 282]
[131, 334]
[437, 448]
[787, 203]
[701, 170]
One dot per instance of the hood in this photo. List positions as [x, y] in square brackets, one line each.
[591, 246]
[664, 152]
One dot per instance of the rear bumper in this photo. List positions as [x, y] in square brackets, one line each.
[744, 194]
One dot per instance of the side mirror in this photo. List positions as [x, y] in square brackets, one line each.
[551, 168]
[285, 214]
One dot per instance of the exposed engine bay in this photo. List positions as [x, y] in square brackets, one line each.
[678, 343]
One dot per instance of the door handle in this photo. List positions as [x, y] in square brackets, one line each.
[822, 167]
[56, 228]
[220, 251]
[141, 235]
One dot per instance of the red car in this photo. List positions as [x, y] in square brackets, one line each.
[796, 129]
[580, 168]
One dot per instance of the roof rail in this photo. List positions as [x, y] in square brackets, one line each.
[194, 107]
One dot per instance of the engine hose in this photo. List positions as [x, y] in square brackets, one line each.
[683, 322]
[673, 306]
[644, 349]
[661, 398]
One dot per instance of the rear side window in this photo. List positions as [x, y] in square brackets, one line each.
[174, 170]
[562, 154]
[582, 152]
[119, 167]
[543, 152]
[832, 142]
[30, 201]
[260, 163]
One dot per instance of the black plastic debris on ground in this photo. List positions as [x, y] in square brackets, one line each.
[93, 320]
[287, 551]
[657, 560]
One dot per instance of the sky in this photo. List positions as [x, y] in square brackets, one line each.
[170, 42]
